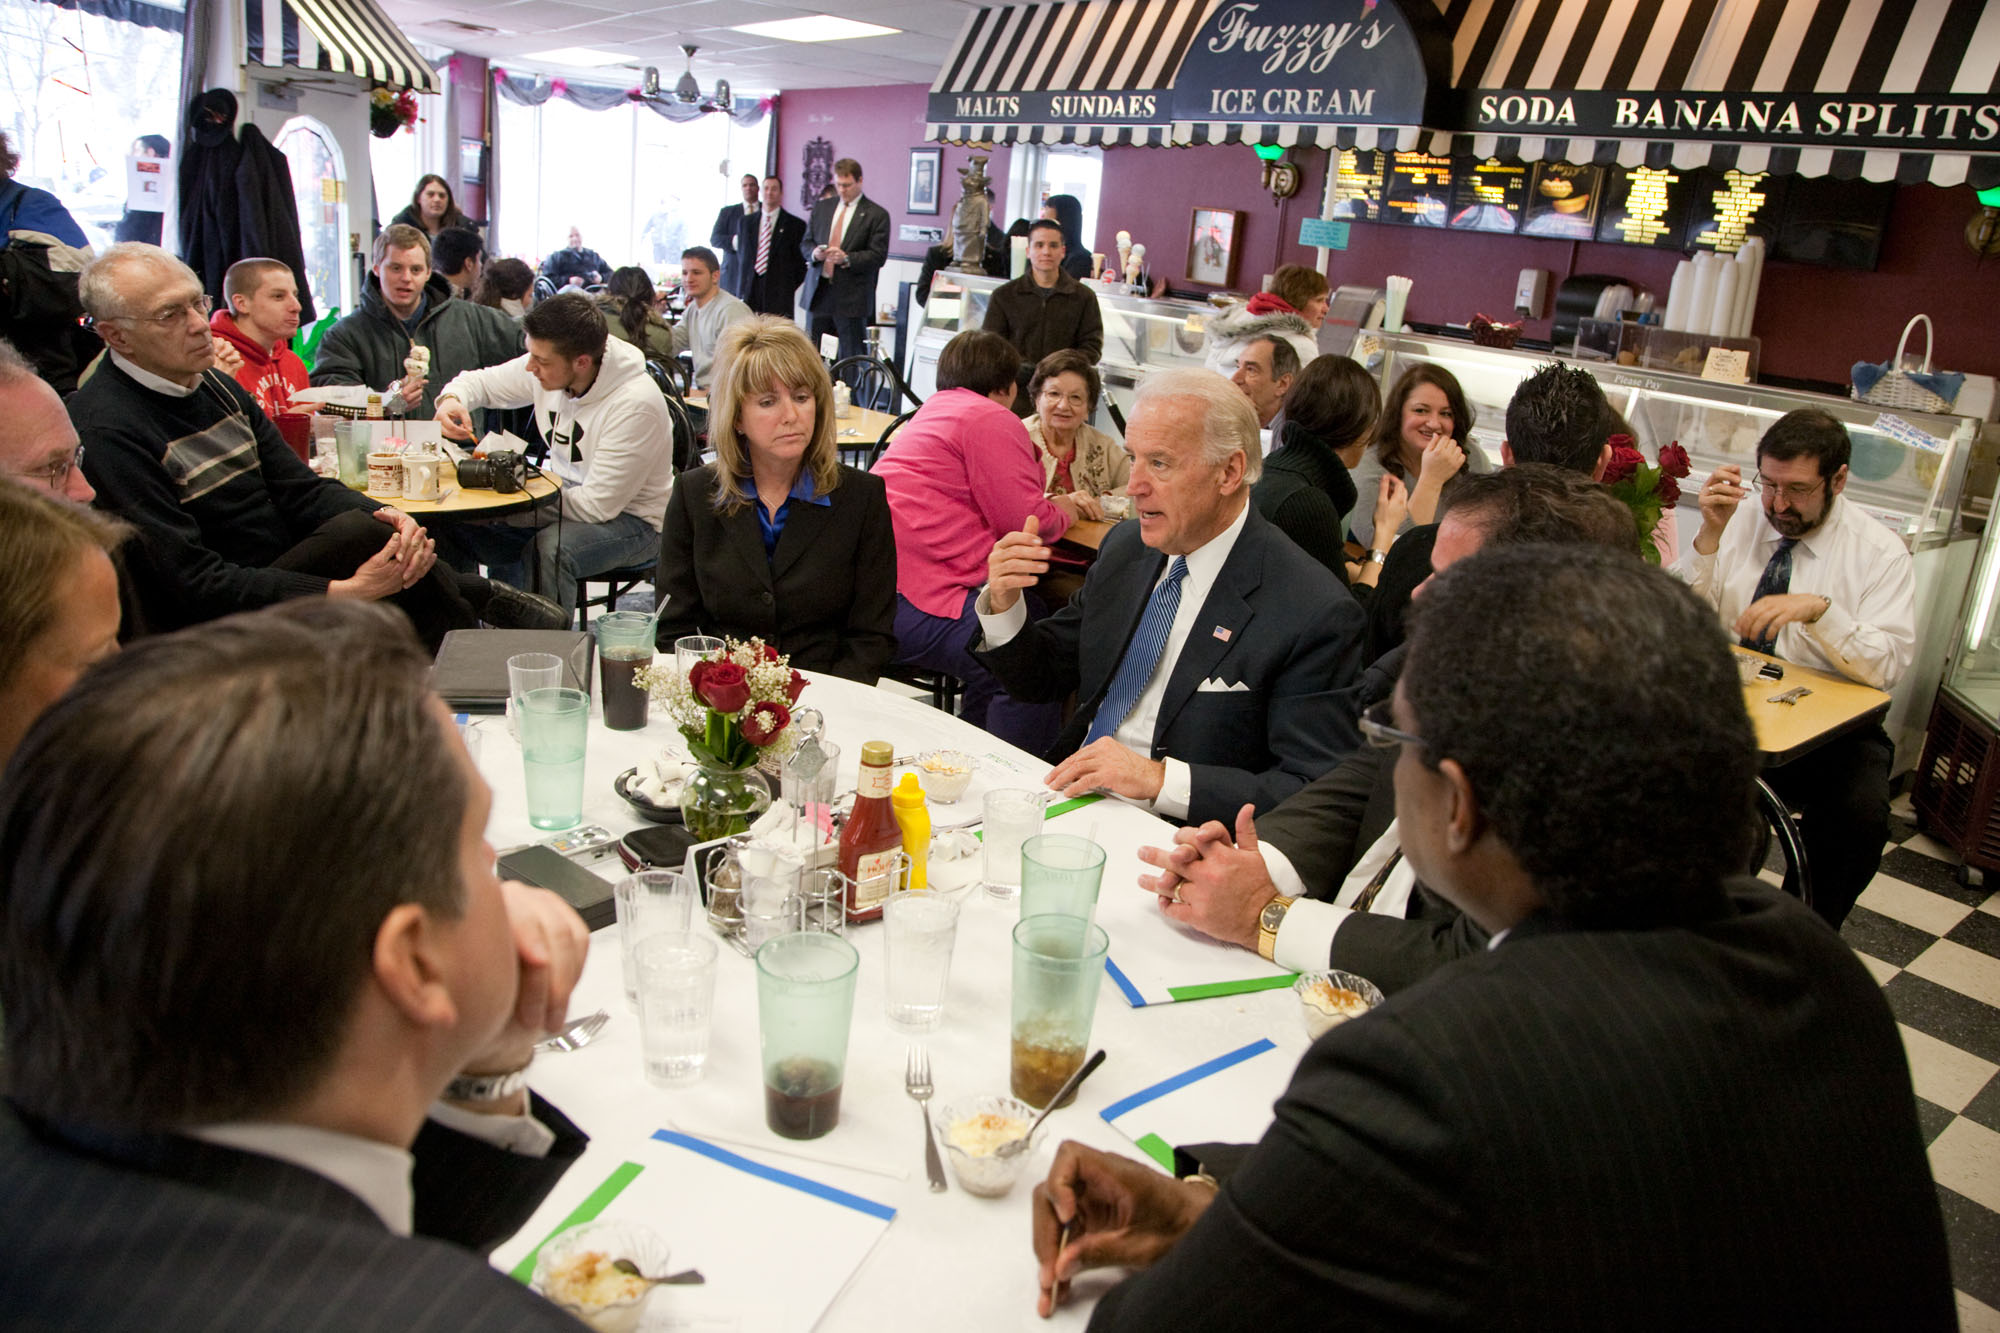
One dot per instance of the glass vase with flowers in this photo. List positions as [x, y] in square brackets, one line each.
[732, 709]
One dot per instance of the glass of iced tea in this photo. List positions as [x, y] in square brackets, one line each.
[805, 1006]
[1058, 963]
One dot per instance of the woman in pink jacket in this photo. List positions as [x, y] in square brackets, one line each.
[960, 474]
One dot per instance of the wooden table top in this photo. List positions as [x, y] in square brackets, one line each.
[458, 502]
[1835, 706]
[1088, 533]
[860, 428]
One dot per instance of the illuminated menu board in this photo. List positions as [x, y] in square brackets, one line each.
[1563, 201]
[1729, 207]
[1645, 206]
[1357, 185]
[1487, 195]
[1416, 190]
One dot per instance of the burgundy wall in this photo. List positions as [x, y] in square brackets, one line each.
[472, 88]
[1815, 322]
[877, 127]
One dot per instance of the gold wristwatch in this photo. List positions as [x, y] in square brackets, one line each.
[1268, 922]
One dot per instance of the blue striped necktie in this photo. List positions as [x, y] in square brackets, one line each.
[1775, 582]
[1142, 655]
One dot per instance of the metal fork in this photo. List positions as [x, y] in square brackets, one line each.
[917, 1082]
[575, 1036]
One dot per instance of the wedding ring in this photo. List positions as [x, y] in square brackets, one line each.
[1177, 894]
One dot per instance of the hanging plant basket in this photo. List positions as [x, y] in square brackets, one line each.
[389, 111]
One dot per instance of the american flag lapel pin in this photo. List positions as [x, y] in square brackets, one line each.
[1222, 633]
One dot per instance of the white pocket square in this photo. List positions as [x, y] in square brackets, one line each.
[1216, 685]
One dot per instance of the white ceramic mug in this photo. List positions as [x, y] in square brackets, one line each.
[420, 475]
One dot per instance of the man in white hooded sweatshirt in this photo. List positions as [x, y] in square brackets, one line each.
[610, 440]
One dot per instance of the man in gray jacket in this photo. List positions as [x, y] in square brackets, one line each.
[405, 306]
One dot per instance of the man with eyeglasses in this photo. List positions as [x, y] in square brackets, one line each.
[1663, 1097]
[1811, 578]
[1321, 881]
[229, 518]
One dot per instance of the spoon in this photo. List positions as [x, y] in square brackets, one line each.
[1014, 1147]
[687, 1277]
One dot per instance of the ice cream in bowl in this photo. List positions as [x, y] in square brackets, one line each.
[972, 1131]
[1328, 999]
[580, 1271]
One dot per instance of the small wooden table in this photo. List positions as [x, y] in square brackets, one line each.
[459, 502]
[860, 428]
[1089, 533]
[1835, 707]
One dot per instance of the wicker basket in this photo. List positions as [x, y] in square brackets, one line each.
[1896, 390]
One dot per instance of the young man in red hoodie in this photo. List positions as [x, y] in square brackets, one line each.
[263, 315]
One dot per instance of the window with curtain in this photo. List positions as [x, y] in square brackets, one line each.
[78, 93]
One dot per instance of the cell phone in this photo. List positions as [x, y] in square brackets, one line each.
[592, 840]
[590, 895]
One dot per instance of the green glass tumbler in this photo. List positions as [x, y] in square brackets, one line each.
[805, 1007]
[1058, 963]
[1060, 875]
[554, 724]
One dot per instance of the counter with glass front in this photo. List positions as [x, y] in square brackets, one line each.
[1908, 473]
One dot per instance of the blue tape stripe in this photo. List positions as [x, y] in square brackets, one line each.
[1132, 995]
[1195, 1075]
[771, 1173]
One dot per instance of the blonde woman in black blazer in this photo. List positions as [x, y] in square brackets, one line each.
[777, 538]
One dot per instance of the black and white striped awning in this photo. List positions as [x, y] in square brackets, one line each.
[1902, 90]
[340, 36]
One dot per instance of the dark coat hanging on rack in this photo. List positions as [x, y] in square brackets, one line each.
[236, 199]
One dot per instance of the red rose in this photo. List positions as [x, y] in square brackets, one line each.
[764, 723]
[770, 654]
[1625, 461]
[695, 674]
[1674, 461]
[1622, 441]
[722, 687]
[795, 688]
[1669, 490]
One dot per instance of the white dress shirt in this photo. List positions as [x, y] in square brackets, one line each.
[1305, 936]
[376, 1173]
[1135, 733]
[157, 383]
[1869, 634]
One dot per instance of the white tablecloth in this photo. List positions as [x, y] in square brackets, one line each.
[948, 1260]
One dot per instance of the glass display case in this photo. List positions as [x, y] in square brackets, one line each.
[1140, 334]
[1908, 473]
[1957, 783]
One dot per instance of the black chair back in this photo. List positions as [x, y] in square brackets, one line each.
[1774, 819]
[545, 287]
[1117, 417]
[876, 383]
[883, 442]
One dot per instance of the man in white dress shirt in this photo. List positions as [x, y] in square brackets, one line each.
[1812, 578]
[1205, 649]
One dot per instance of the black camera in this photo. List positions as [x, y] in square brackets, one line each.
[503, 470]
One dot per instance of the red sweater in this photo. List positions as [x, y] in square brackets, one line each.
[271, 377]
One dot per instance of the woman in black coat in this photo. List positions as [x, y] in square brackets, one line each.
[777, 538]
[432, 209]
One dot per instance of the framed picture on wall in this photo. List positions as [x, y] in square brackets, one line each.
[472, 161]
[1212, 246]
[926, 167]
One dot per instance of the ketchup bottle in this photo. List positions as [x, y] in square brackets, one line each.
[870, 838]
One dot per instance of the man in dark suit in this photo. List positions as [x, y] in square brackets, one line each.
[1193, 700]
[727, 237]
[256, 1087]
[773, 266]
[1656, 1102]
[845, 247]
[1321, 881]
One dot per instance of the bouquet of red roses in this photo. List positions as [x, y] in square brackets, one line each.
[1648, 490]
[730, 707]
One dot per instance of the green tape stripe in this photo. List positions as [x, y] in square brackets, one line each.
[1159, 1150]
[1210, 990]
[1059, 808]
[584, 1211]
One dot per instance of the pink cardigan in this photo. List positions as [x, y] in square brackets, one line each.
[961, 473]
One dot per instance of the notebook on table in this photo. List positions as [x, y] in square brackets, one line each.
[470, 672]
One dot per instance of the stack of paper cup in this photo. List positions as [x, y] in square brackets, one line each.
[1399, 295]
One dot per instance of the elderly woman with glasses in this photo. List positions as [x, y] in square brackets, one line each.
[1078, 460]
[777, 538]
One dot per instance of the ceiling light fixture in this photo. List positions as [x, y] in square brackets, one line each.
[815, 28]
[687, 90]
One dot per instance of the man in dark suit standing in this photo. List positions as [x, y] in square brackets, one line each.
[845, 247]
[1322, 881]
[1205, 648]
[1657, 1100]
[773, 266]
[727, 238]
[263, 1085]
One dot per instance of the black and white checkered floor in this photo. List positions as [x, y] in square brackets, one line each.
[1935, 947]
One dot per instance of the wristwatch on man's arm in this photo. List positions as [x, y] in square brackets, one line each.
[1268, 921]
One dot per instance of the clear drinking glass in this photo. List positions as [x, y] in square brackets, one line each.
[770, 888]
[1058, 963]
[651, 902]
[676, 1004]
[692, 648]
[921, 928]
[1060, 873]
[554, 725]
[1009, 816]
[805, 1007]
[529, 671]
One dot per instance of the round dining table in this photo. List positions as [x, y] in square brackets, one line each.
[455, 501]
[946, 1259]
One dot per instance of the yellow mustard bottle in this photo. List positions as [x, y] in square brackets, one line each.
[914, 818]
